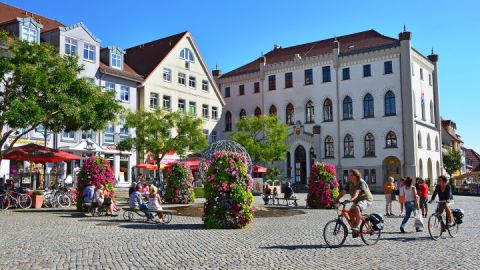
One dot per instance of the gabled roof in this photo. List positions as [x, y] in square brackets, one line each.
[356, 42]
[146, 57]
[10, 13]
[82, 25]
[127, 72]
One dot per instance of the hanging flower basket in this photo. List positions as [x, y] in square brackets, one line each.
[322, 186]
[179, 180]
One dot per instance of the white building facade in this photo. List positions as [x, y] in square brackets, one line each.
[357, 101]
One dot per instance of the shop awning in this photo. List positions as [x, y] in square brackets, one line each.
[37, 153]
[150, 167]
[259, 169]
[466, 175]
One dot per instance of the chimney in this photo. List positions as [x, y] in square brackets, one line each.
[216, 72]
[405, 35]
[276, 47]
[433, 57]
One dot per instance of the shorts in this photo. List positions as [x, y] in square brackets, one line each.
[363, 204]
[423, 202]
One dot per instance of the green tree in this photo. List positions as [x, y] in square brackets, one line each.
[263, 137]
[40, 87]
[452, 161]
[160, 131]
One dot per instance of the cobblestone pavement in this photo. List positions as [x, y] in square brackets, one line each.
[64, 239]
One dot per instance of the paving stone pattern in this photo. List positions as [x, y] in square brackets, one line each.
[65, 239]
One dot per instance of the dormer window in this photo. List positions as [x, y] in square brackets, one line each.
[70, 46]
[89, 52]
[29, 34]
[116, 61]
[187, 55]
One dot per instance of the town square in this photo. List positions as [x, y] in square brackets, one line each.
[249, 135]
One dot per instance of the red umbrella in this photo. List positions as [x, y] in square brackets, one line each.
[37, 153]
[259, 169]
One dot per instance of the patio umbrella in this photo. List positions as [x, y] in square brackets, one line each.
[37, 153]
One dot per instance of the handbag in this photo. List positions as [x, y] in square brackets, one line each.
[418, 220]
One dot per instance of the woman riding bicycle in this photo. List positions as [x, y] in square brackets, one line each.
[445, 197]
[361, 198]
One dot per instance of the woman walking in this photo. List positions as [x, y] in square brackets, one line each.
[389, 193]
[411, 202]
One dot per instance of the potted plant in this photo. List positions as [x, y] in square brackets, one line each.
[37, 199]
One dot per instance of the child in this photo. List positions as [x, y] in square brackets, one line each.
[389, 193]
[275, 195]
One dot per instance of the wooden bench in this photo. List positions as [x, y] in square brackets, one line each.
[292, 200]
[128, 214]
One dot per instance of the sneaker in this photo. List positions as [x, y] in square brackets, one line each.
[402, 230]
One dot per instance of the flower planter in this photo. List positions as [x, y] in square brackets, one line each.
[37, 201]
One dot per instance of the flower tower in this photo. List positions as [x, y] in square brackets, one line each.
[322, 186]
[228, 190]
[179, 180]
[95, 171]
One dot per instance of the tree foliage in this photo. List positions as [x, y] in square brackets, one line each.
[160, 131]
[40, 87]
[263, 137]
[452, 161]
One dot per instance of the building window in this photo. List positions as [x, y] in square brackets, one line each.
[167, 75]
[123, 130]
[227, 91]
[326, 76]
[187, 55]
[346, 74]
[68, 135]
[125, 93]
[89, 52]
[241, 90]
[308, 76]
[309, 112]
[228, 121]
[167, 105]
[181, 105]
[272, 84]
[192, 108]
[347, 108]
[369, 145]
[288, 80]
[419, 138]
[116, 60]
[243, 113]
[205, 111]
[70, 46]
[154, 100]
[429, 145]
[29, 34]
[258, 112]
[213, 136]
[420, 168]
[390, 108]
[204, 85]
[430, 79]
[327, 110]
[348, 146]
[436, 143]
[110, 87]
[205, 134]
[256, 87]
[289, 114]
[391, 141]
[432, 113]
[88, 134]
[192, 82]
[367, 70]
[272, 111]
[109, 136]
[422, 101]
[388, 67]
[421, 74]
[368, 108]
[214, 113]
[370, 176]
[182, 79]
[328, 147]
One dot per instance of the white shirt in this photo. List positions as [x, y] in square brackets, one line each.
[408, 193]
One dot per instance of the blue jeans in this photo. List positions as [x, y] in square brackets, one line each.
[409, 208]
[144, 207]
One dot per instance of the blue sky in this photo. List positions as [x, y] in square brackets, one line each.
[232, 33]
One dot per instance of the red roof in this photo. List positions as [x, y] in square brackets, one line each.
[10, 13]
[348, 43]
[470, 154]
[146, 57]
[127, 71]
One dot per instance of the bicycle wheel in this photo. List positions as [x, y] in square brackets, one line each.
[453, 230]
[368, 234]
[335, 233]
[64, 200]
[435, 228]
[24, 201]
[4, 202]
[167, 217]
[127, 216]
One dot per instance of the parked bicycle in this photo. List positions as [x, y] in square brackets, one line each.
[336, 231]
[15, 199]
[437, 224]
[57, 198]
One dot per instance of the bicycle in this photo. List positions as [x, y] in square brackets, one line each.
[339, 230]
[16, 199]
[437, 225]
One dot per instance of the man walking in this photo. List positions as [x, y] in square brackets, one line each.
[423, 194]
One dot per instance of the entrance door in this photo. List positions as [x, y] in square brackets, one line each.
[300, 165]
[391, 167]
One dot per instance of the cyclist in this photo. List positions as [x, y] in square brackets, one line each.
[444, 192]
[361, 198]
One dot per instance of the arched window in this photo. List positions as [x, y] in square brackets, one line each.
[187, 55]
[436, 143]
[419, 138]
[423, 108]
[368, 110]
[414, 105]
[228, 121]
[289, 114]
[328, 147]
[347, 108]
[390, 108]
[391, 140]
[327, 110]
[273, 110]
[258, 112]
[420, 168]
[369, 145]
[309, 112]
[432, 113]
[348, 146]
[243, 113]
[429, 146]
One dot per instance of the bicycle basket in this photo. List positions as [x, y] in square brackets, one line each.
[458, 215]
[377, 221]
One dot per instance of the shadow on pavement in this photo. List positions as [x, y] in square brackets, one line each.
[148, 226]
[295, 247]
[406, 239]
[47, 210]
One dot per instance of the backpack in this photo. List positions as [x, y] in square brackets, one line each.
[377, 221]
[458, 215]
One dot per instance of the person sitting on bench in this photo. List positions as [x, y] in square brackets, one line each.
[267, 192]
[289, 191]
[275, 195]
[136, 202]
[88, 195]
[154, 202]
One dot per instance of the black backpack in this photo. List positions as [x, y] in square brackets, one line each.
[377, 221]
[458, 215]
